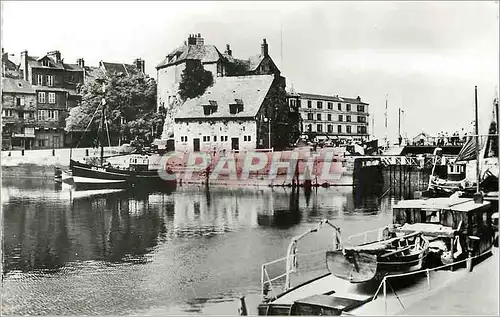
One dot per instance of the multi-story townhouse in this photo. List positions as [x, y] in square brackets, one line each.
[56, 87]
[18, 114]
[333, 117]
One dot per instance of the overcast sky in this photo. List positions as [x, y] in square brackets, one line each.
[426, 56]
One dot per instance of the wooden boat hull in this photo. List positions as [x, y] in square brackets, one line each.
[83, 183]
[373, 260]
[89, 176]
[361, 268]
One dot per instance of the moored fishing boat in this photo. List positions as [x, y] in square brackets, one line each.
[133, 172]
[99, 174]
[475, 167]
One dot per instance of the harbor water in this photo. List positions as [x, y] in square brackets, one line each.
[189, 251]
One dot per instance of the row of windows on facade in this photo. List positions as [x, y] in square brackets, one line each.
[310, 116]
[42, 114]
[49, 80]
[319, 105]
[51, 97]
[223, 138]
[319, 128]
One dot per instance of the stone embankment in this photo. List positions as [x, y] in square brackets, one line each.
[284, 168]
[41, 163]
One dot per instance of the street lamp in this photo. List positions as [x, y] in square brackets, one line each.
[268, 120]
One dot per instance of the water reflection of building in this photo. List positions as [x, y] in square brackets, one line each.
[283, 210]
[46, 234]
[197, 213]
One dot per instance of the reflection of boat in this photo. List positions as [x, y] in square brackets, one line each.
[372, 260]
[61, 175]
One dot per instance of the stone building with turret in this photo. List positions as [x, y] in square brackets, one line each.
[194, 50]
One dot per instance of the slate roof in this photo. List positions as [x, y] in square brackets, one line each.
[11, 69]
[19, 86]
[73, 67]
[117, 68]
[205, 53]
[332, 98]
[93, 72]
[36, 62]
[252, 90]
[254, 62]
[243, 62]
[249, 64]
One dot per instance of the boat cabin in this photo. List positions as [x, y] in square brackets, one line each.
[456, 172]
[133, 162]
[455, 225]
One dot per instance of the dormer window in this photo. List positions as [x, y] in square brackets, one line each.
[236, 107]
[45, 62]
[210, 108]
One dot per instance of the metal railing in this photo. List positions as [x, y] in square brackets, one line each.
[366, 234]
[291, 260]
[383, 283]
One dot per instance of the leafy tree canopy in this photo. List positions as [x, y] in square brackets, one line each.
[130, 108]
[194, 80]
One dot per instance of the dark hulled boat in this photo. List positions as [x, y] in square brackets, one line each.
[363, 263]
[94, 174]
[135, 174]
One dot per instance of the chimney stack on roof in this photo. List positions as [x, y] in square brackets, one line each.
[264, 50]
[191, 39]
[80, 62]
[140, 64]
[24, 65]
[56, 55]
[200, 40]
[228, 50]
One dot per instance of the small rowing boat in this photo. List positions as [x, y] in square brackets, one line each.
[365, 262]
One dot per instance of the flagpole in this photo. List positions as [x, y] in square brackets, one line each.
[476, 130]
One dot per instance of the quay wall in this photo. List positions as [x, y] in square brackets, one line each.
[342, 170]
[50, 157]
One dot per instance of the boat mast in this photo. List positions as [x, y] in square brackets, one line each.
[399, 126]
[103, 103]
[476, 130]
[386, 120]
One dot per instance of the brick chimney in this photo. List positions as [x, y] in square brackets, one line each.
[264, 48]
[24, 65]
[80, 62]
[191, 39]
[55, 55]
[200, 40]
[140, 64]
[228, 50]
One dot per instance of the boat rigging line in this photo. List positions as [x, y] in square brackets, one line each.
[88, 125]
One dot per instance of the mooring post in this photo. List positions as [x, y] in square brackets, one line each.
[243, 311]
[385, 296]
[428, 279]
